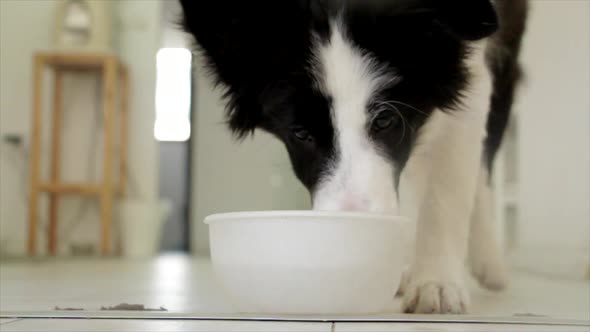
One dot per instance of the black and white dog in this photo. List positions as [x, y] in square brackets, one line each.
[389, 106]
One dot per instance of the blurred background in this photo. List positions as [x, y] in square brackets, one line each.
[183, 165]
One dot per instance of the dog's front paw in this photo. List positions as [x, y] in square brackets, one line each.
[435, 298]
[489, 268]
[491, 274]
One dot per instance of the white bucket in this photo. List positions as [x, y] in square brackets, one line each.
[141, 227]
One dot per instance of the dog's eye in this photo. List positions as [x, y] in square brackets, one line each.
[302, 134]
[384, 121]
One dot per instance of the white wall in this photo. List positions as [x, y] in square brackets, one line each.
[138, 32]
[554, 112]
[17, 46]
[25, 27]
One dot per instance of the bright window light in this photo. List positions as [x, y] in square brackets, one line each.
[173, 95]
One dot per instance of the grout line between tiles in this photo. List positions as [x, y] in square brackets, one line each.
[10, 321]
[520, 320]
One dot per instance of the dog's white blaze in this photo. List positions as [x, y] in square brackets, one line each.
[360, 178]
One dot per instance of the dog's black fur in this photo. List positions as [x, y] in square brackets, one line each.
[260, 52]
[503, 54]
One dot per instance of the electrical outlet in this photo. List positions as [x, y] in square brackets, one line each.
[13, 139]
[17, 140]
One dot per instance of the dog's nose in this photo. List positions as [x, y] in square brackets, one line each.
[354, 204]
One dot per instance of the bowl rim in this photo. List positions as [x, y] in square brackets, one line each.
[319, 216]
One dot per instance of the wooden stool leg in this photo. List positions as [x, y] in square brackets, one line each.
[34, 160]
[55, 162]
[123, 120]
[106, 194]
[124, 114]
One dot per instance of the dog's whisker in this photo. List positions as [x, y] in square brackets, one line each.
[405, 122]
[409, 106]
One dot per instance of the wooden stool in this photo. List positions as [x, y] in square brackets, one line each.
[110, 69]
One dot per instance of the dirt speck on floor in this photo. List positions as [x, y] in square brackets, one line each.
[67, 309]
[528, 314]
[132, 307]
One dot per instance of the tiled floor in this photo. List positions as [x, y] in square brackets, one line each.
[185, 285]
[80, 325]
[389, 327]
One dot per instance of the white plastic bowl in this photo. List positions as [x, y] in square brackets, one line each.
[308, 262]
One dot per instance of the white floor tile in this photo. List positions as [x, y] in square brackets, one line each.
[187, 285]
[537, 295]
[88, 325]
[4, 321]
[411, 327]
[179, 284]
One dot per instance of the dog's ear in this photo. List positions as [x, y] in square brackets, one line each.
[468, 19]
[246, 45]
